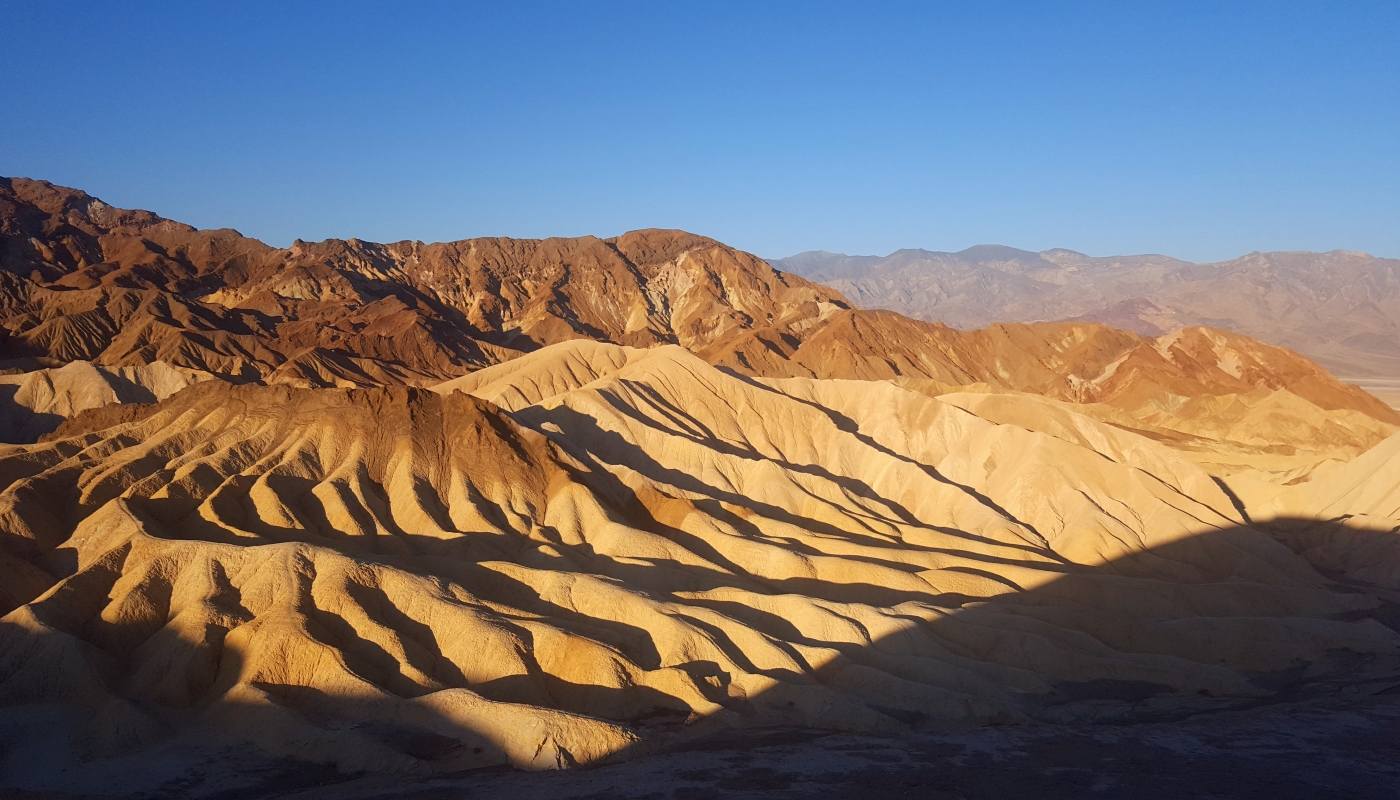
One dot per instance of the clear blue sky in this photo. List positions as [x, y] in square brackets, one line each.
[1202, 131]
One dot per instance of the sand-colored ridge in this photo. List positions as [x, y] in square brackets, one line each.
[404, 580]
[543, 374]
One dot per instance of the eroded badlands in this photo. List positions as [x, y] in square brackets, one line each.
[593, 551]
[418, 509]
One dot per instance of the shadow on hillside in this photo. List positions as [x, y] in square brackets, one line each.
[613, 448]
[19, 424]
[109, 726]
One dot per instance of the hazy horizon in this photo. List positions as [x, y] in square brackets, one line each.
[1052, 249]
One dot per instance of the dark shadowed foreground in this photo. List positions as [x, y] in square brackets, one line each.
[1324, 748]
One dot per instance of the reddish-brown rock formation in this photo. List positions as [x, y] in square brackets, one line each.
[85, 281]
[121, 288]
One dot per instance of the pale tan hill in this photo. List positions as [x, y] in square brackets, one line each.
[35, 402]
[1224, 435]
[1341, 309]
[544, 374]
[1264, 428]
[644, 549]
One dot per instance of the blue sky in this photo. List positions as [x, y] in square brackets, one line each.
[1203, 131]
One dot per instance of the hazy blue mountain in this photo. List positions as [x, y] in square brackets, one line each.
[1340, 308]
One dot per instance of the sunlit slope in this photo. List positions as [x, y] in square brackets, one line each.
[1264, 429]
[553, 371]
[643, 547]
[82, 280]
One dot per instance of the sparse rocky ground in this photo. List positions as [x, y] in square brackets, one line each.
[1334, 747]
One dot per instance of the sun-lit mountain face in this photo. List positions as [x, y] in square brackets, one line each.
[421, 509]
[85, 281]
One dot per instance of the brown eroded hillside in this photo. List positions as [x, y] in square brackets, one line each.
[84, 281]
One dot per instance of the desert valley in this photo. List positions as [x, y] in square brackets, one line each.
[422, 510]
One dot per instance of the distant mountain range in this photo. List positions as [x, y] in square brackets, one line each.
[1341, 309]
